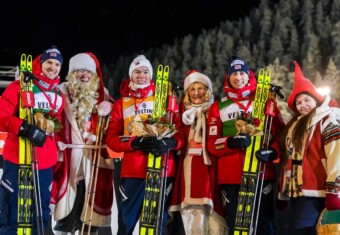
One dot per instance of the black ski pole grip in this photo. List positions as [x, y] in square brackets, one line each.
[28, 77]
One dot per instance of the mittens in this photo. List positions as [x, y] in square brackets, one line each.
[33, 133]
[239, 141]
[332, 201]
[266, 155]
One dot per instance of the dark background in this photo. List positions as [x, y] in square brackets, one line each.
[107, 28]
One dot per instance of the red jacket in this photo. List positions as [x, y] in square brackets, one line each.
[10, 122]
[134, 161]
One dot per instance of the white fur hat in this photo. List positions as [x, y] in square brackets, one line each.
[138, 62]
[195, 76]
[82, 61]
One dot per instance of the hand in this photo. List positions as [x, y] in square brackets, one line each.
[33, 133]
[266, 155]
[163, 146]
[239, 141]
[332, 201]
[145, 144]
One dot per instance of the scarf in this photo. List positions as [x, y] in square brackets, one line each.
[195, 116]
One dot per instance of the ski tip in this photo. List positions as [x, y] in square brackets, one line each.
[23, 62]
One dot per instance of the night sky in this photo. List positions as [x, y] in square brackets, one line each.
[108, 28]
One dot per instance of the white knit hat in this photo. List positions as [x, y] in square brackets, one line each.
[195, 76]
[82, 61]
[138, 62]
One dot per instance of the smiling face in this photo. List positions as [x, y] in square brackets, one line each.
[238, 79]
[141, 75]
[84, 75]
[197, 93]
[304, 103]
[51, 68]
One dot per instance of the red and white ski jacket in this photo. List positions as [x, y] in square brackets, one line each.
[10, 121]
[134, 163]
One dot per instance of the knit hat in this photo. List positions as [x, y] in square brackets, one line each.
[138, 62]
[82, 61]
[195, 76]
[302, 85]
[51, 53]
[237, 64]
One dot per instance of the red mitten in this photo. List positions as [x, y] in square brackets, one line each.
[332, 201]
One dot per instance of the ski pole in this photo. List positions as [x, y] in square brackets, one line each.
[270, 113]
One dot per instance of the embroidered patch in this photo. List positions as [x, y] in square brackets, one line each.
[220, 140]
[195, 151]
[213, 130]
[125, 138]
[219, 147]
[267, 189]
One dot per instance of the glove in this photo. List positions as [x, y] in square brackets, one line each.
[239, 141]
[332, 201]
[33, 133]
[266, 155]
[163, 146]
[145, 144]
[281, 205]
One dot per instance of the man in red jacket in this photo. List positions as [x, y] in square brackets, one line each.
[138, 100]
[49, 103]
[230, 149]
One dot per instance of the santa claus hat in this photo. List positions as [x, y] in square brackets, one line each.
[302, 85]
[88, 61]
[138, 62]
[195, 76]
[82, 61]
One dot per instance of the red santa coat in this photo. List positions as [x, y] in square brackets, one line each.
[75, 163]
[195, 182]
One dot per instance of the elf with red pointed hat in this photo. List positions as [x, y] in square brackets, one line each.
[310, 143]
[229, 148]
[84, 92]
[195, 195]
[48, 105]
[137, 101]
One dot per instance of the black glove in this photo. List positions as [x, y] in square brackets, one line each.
[33, 133]
[145, 144]
[239, 141]
[266, 155]
[163, 146]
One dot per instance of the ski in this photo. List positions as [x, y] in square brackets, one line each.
[25, 175]
[249, 183]
[153, 185]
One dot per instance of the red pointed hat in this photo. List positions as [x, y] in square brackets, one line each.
[302, 85]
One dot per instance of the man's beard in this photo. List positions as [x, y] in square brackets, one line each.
[84, 98]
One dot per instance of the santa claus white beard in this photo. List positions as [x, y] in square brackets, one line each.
[84, 97]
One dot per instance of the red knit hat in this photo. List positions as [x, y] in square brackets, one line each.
[301, 85]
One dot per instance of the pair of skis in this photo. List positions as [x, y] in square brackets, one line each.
[248, 194]
[154, 197]
[28, 179]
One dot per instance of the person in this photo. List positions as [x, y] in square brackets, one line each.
[230, 149]
[48, 105]
[137, 103]
[84, 91]
[310, 159]
[194, 189]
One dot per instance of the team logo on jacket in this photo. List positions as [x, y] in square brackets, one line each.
[213, 130]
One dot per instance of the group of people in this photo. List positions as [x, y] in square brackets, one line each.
[204, 158]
